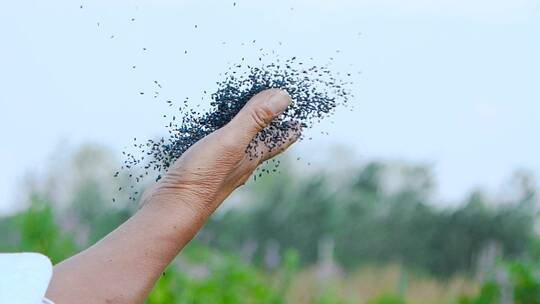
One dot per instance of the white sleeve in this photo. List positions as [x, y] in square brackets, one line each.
[24, 278]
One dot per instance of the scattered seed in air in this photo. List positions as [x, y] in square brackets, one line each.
[315, 92]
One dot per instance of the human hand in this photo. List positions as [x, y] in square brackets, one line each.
[124, 266]
[216, 165]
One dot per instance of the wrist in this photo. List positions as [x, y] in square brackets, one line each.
[176, 217]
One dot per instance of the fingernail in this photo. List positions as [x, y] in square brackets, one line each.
[278, 101]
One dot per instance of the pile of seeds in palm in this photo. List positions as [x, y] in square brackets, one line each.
[315, 92]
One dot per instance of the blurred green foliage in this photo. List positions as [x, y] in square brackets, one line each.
[523, 287]
[489, 294]
[39, 232]
[373, 215]
[371, 224]
[526, 287]
[388, 299]
[231, 282]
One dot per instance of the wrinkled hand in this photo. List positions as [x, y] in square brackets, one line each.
[215, 166]
[124, 266]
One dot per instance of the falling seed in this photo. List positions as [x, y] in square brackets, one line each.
[315, 90]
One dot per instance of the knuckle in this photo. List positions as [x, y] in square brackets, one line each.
[261, 116]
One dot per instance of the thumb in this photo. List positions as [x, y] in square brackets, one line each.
[258, 113]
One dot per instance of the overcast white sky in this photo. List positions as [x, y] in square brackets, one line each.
[452, 83]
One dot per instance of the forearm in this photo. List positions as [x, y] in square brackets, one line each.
[123, 267]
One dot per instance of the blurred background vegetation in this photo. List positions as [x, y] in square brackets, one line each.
[371, 233]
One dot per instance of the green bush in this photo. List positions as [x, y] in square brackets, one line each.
[225, 281]
[38, 232]
[525, 285]
[489, 294]
[388, 299]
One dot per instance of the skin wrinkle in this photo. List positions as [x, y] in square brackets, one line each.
[261, 117]
[170, 200]
[203, 181]
[198, 184]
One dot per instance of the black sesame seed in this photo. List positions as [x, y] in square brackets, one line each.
[315, 92]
